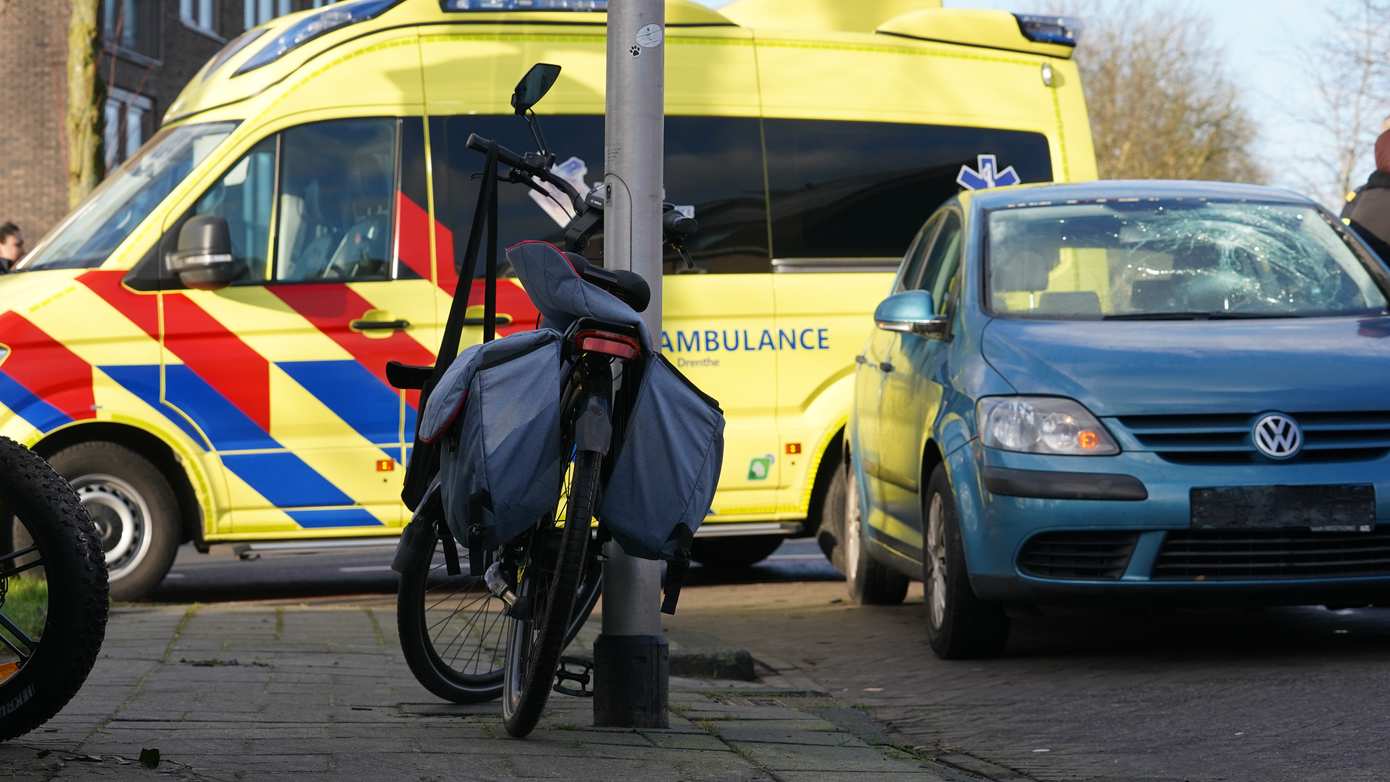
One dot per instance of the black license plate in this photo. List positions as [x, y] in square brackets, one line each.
[1345, 508]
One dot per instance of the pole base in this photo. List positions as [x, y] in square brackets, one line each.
[631, 681]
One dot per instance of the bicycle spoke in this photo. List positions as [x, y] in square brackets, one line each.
[17, 554]
[19, 635]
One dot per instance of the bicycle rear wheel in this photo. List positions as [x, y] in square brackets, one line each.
[555, 563]
[451, 627]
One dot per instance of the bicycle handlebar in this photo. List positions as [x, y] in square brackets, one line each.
[675, 226]
[520, 163]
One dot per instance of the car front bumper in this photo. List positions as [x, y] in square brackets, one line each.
[1140, 505]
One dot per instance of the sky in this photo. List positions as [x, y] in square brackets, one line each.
[1259, 39]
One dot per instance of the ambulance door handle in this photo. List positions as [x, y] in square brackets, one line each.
[379, 325]
[886, 366]
[503, 319]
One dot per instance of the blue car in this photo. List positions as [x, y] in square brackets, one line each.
[1127, 390]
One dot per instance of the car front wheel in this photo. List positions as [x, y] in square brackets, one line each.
[959, 624]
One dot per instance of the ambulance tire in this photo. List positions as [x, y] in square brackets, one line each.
[49, 516]
[120, 487]
[736, 552]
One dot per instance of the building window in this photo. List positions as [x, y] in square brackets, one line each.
[262, 11]
[132, 26]
[201, 15]
[129, 121]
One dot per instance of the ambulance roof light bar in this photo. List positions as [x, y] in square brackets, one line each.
[1061, 30]
[523, 5]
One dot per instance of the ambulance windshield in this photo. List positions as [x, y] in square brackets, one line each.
[91, 233]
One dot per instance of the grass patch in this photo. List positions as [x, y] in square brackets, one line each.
[26, 604]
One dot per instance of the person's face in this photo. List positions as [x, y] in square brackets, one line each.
[12, 249]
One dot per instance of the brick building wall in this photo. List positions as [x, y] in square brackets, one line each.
[33, 87]
[33, 98]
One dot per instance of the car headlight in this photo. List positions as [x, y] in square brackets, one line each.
[1042, 424]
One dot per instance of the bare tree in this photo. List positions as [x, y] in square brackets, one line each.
[86, 98]
[1350, 78]
[1161, 103]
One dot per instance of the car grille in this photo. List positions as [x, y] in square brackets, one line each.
[1085, 555]
[1226, 439]
[1197, 555]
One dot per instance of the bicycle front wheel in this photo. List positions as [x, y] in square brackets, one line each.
[554, 565]
[53, 592]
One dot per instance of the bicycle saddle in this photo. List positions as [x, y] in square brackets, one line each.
[626, 285]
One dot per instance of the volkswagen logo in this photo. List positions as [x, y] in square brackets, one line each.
[1277, 436]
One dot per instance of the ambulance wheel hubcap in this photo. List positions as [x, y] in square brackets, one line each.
[121, 517]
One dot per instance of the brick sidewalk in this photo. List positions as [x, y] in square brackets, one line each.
[265, 690]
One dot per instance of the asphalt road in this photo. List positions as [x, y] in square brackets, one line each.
[1222, 695]
[221, 575]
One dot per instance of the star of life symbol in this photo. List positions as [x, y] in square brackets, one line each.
[986, 174]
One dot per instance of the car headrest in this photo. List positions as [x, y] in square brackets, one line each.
[1024, 269]
[1083, 303]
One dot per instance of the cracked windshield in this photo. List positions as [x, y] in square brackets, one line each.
[1161, 259]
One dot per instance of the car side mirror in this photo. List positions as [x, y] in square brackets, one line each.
[533, 86]
[204, 257]
[911, 312]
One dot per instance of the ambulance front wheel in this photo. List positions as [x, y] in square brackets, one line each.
[134, 510]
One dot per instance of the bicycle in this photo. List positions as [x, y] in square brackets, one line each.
[499, 627]
[53, 592]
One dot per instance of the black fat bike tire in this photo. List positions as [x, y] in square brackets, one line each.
[521, 718]
[412, 624]
[78, 592]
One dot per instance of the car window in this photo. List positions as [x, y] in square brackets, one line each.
[916, 254]
[243, 198]
[337, 190]
[942, 259]
[1166, 258]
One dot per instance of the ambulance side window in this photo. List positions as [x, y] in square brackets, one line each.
[859, 190]
[337, 190]
[243, 197]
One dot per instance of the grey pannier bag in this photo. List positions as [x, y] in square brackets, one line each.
[496, 416]
[667, 466]
[664, 472]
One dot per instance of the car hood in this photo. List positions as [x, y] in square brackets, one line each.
[1149, 367]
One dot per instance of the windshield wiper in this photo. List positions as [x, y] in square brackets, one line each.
[1198, 316]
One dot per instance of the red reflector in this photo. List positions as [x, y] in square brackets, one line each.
[608, 343]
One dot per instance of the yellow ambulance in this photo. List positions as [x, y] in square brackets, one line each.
[809, 137]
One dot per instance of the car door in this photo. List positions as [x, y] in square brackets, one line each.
[284, 371]
[870, 376]
[914, 375]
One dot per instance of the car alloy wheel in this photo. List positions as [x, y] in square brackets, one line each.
[853, 532]
[936, 560]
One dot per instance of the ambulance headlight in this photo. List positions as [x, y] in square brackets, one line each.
[325, 20]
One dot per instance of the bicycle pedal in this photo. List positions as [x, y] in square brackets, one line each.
[572, 682]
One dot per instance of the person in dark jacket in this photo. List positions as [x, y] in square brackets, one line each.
[11, 246]
[1368, 211]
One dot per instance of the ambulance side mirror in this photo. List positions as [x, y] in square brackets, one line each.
[204, 257]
